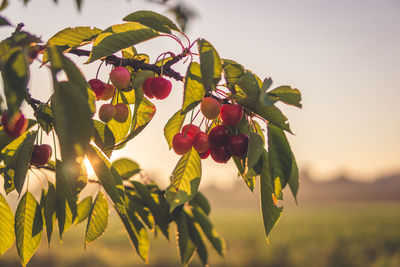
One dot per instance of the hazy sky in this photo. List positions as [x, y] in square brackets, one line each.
[343, 55]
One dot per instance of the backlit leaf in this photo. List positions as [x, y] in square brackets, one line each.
[173, 127]
[118, 37]
[153, 20]
[126, 168]
[287, 95]
[98, 219]
[108, 176]
[185, 179]
[73, 37]
[28, 227]
[7, 235]
[193, 89]
[84, 208]
[210, 65]
[185, 244]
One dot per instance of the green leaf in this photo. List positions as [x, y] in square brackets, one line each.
[97, 220]
[17, 156]
[75, 130]
[199, 200]
[15, 74]
[63, 213]
[217, 242]
[108, 176]
[232, 72]
[74, 74]
[73, 37]
[270, 212]
[250, 84]
[83, 209]
[50, 210]
[193, 89]
[28, 227]
[3, 5]
[185, 179]
[126, 168]
[173, 126]
[104, 137]
[153, 20]
[135, 205]
[240, 165]
[139, 239]
[210, 65]
[157, 205]
[281, 159]
[287, 95]
[44, 117]
[185, 244]
[118, 37]
[254, 150]
[270, 113]
[4, 21]
[7, 235]
[64, 184]
[198, 241]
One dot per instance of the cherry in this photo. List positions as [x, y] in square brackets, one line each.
[210, 107]
[160, 87]
[205, 154]
[182, 143]
[147, 87]
[121, 113]
[120, 77]
[41, 155]
[98, 87]
[107, 112]
[14, 126]
[108, 92]
[220, 154]
[201, 143]
[192, 131]
[237, 145]
[218, 136]
[231, 114]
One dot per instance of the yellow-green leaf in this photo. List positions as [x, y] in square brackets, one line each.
[73, 37]
[126, 167]
[193, 89]
[185, 179]
[210, 65]
[28, 227]
[173, 126]
[118, 37]
[98, 219]
[7, 235]
[153, 20]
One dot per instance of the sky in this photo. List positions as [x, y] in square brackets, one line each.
[342, 55]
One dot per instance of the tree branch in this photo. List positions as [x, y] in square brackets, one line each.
[140, 64]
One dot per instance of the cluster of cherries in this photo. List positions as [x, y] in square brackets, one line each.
[120, 77]
[218, 142]
[15, 127]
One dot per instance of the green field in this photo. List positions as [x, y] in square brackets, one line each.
[355, 234]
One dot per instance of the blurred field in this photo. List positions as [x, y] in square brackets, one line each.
[354, 234]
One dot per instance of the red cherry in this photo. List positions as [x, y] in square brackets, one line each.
[41, 155]
[182, 143]
[14, 126]
[201, 143]
[218, 136]
[210, 107]
[121, 112]
[205, 154]
[98, 87]
[237, 145]
[231, 114]
[120, 77]
[107, 112]
[160, 87]
[108, 92]
[220, 154]
[192, 131]
[147, 87]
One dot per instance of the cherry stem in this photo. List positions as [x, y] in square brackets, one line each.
[98, 69]
[175, 38]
